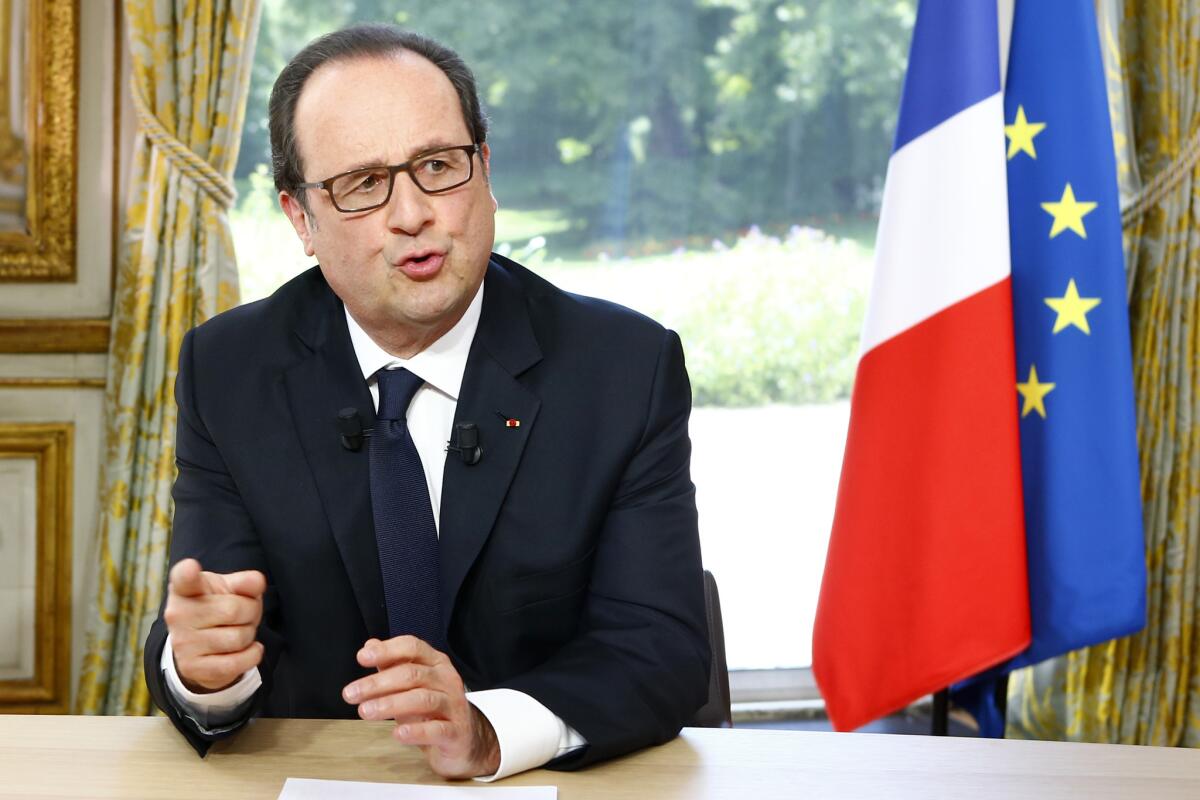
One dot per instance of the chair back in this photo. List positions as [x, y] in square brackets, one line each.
[716, 712]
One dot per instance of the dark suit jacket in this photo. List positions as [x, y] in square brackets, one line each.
[570, 557]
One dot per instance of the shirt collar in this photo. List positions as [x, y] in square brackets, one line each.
[441, 365]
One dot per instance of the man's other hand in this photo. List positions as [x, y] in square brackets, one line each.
[213, 620]
[420, 689]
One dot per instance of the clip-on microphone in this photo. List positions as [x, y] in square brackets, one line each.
[464, 441]
[351, 429]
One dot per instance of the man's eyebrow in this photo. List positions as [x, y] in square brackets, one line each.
[437, 144]
[371, 164]
[375, 162]
[368, 164]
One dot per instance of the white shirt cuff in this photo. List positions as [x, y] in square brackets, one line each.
[210, 710]
[528, 733]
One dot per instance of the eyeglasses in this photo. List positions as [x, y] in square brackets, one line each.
[433, 172]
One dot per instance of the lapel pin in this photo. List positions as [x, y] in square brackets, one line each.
[509, 422]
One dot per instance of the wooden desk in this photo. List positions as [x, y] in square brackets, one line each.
[143, 757]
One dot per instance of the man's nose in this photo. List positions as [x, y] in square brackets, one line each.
[409, 209]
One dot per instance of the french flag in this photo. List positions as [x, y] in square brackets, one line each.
[925, 578]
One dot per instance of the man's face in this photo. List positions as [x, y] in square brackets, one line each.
[408, 270]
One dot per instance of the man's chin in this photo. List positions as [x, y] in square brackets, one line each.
[428, 315]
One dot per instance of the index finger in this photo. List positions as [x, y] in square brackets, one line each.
[398, 649]
[248, 583]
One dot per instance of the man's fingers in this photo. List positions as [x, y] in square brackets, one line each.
[430, 733]
[211, 611]
[196, 643]
[186, 579]
[415, 704]
[218, 671]
[413, 681]
[248, 583]
[420, 689]
[397, 649]
[397, 678]
[222, 640]
[229, 609]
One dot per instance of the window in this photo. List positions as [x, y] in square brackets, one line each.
[716, 164]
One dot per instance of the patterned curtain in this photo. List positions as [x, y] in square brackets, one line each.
[191, 64]
[1145, 689]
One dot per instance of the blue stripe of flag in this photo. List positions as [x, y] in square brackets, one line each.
[953, 64]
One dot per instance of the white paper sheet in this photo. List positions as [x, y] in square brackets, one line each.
[309, 789]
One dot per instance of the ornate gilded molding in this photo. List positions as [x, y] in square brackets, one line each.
[51, 447]
[52, 383]
[46, 250]
[54, 335]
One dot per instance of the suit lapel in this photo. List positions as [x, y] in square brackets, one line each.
[328, 380]
[503, 348]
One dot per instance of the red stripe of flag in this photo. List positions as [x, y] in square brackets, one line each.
[925, 579]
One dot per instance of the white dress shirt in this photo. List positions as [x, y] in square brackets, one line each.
[529, 734]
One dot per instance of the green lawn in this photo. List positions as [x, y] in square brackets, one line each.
[517, 227]
[763, 321]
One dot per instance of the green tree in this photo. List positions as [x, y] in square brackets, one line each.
[662, 120]
[284, 27]
[816, 83]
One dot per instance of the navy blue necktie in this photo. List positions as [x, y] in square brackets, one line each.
[404, 529]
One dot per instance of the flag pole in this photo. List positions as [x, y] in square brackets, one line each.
[1002, 699]
[940, 725]
[941, 713]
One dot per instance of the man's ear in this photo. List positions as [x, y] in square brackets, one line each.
[485, 156]
[300, 220]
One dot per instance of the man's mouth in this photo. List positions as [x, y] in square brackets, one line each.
[422, 265]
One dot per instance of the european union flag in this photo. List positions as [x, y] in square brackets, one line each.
[1083, 511]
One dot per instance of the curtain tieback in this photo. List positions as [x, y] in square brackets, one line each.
[1165, 181]
[214, 184]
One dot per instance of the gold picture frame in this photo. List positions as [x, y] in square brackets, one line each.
[45, 250]
[51, 447]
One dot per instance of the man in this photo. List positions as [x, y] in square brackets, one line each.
[536, 600]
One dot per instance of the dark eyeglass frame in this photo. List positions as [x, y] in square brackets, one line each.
[470, 149]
